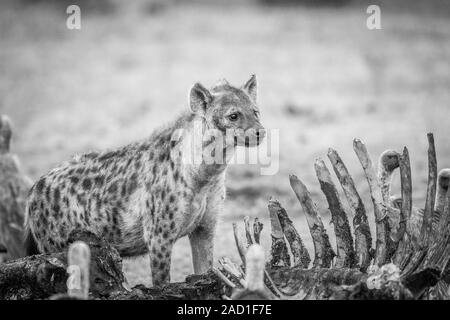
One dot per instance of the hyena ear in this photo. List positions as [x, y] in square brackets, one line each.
[251, 87]
[199, 98]
[5, 134]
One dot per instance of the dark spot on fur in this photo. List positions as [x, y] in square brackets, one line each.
[47, 193]
[112, 188]
[87, 184]
[44, 219]
[172, 198]
[98, 180]
[40, 186]
[133, 183]
[115, 215]
[74, 179]
[129, 163]
[56, 195]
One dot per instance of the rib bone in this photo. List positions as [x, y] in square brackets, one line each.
[299, 252]
[323, 252]
[382, 254]
[427, 225]
[363, 238]
[280, 254]
[344, 240]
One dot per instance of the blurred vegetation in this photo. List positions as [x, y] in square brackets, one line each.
[92, 6]
[318, 3]
[434, 7]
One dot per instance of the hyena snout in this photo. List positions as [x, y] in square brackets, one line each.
[254, 136]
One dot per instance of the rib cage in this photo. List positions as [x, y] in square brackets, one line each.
[411, 243]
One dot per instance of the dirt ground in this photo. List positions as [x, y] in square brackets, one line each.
[324, 79]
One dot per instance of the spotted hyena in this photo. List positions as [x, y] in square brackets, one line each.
[145, 196]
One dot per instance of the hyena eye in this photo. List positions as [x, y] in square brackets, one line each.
[233, 116]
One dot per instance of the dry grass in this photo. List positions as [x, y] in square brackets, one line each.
[324, 79]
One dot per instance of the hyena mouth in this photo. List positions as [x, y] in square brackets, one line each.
[247, 142]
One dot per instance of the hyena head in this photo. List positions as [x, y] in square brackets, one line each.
[231, 110]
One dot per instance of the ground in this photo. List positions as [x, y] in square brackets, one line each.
[324, 79]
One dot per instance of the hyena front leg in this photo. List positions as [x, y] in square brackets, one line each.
[202, 246]
[202, 238]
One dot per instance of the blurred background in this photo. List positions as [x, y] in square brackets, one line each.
[324, 79]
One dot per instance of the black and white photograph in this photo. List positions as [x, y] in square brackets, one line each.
[224, 150]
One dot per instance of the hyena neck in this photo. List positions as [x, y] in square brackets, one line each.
[205, 157]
